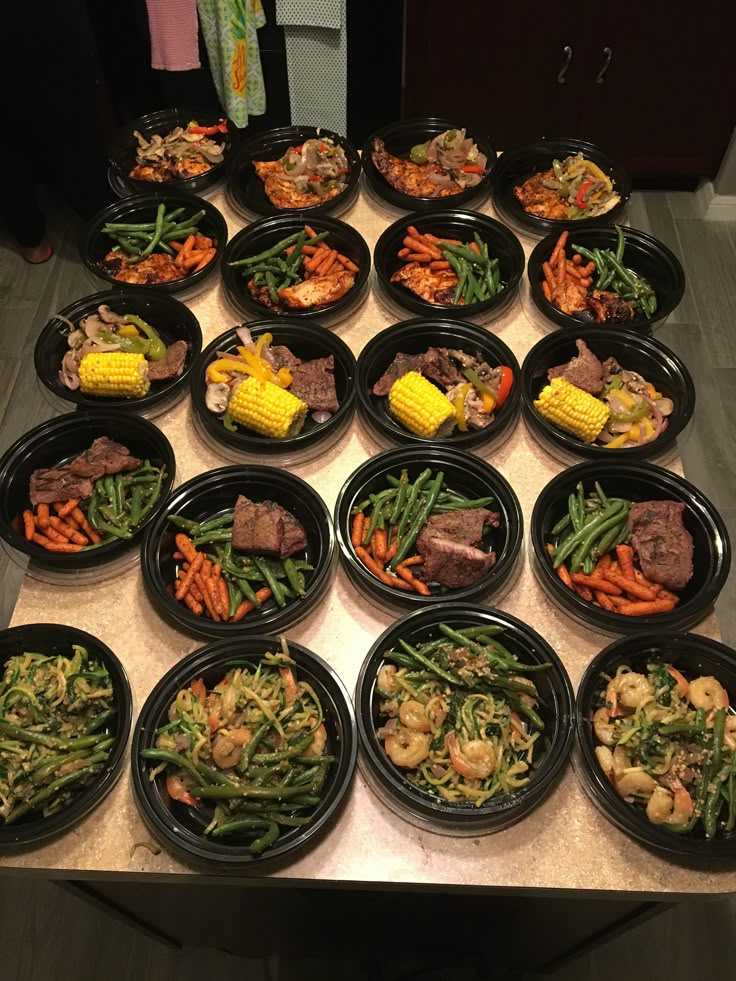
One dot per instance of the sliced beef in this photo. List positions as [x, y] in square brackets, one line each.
[663, 544]
[103, 457]
[282, 357]
[436, 364]
[266, 529]
[584, 371]
[449, 546]
[172, 363]
[400, 366]
[314, 383]
[51, 486]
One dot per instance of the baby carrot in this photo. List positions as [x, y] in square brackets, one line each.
[416, 584]
[42, 540]
[29, 524]
[603, 600]
[596, 582]
[356, 534]
[379, 546]
[42, 516]
[630, 586]
[246, 606]
[185, 546]
[186, 583]
[370, 563]
[62, 547]
[644, 609]
[625, 556]
[68, 507]
[196, 607]
[560, 246]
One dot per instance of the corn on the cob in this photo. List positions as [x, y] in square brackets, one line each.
[421, 406]
[119, 374]
[267, 409]
[572, 409]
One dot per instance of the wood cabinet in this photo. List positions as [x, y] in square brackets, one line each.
[651, 82]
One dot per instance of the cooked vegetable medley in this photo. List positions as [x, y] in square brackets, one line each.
[442, 166]
[459, 715]
[305, 175]
[252, 752]
[574, 188]
[668, 746]
[56, 714]
[181, 154]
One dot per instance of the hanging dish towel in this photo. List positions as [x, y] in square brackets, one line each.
[229, 28]
[174, 32]
[315, 32]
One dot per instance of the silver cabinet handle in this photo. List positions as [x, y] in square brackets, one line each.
[567, 51]
[601, 74]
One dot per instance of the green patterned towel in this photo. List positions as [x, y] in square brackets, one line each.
[230, 30]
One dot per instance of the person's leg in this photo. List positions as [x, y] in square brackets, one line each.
[20, 211]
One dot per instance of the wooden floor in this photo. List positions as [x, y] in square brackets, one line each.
[47, 934]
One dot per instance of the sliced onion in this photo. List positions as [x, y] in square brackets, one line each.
[321, 415]
[64, 320]
[442, 180]
[244, 336]
[69, 374]
[298, 170]
[432, 150]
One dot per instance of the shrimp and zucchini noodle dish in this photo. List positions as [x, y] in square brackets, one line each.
[250, 753]
[668, 746]
[459, 716]
[56, 714]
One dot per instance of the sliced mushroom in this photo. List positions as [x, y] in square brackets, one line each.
[216, 397]
[665, 406]
[109, 316]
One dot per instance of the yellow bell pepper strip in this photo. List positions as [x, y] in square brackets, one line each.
[284, 377]
[618, 442]
[263, 341]
[217, 372]
[462, 423]
[128, 330]
[489, 402]
[598, 174]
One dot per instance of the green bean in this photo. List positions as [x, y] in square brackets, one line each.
[102, 719]
[486, 628]
[401, 659]
[155, 238]
[49, 791]
[273, 584]
[288, 820]
[252, 746]
[713, 798]
[430, 665]
[248, 790]
[169, 756]
[461, 282]
[561, 524]
[523, 709]
[267, 839]
[213, 776]
[116, 532]
[50, 766]
[296, 579]
[210, 537]
[588, 533]
[285, 754]
[407, 542]
[462, 252]
[268, 253]
[400, 498]
[234, 597]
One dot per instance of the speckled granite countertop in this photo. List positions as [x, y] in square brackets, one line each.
[565, 844]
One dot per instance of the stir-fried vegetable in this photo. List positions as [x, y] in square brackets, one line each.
[55, 730]
[318, 166]
[456, 156]
[178, 155]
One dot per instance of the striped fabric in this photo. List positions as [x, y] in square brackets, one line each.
[173, 27]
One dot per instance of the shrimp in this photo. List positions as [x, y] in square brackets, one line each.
[627, 691]
[228, 747]
[707, 693]
[528, 700]
[317, 745]
[387, 679]
[605, 758]
[604, 729]
[683, 685]
[407, 748]
[729, 735]
[517, 732]
[476, 760]
[176, 790]
[664, 807]
[290, 690]
[635, 783]
[414, 716]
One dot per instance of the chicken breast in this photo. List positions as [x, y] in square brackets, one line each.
[192, 166]
[432, 285]
[156, 268]
[408, 177]
[536, 199]
[282, 192]
[318, 291]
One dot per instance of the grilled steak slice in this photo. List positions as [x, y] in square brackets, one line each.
[103, 457]
[266, 529]
[448, 544]
[314, 383]
[400, 366]
[172, 363]
[584, 370]
[282, 357]
[51, 486]
[465, 526]
[663, 544]
[436, 363]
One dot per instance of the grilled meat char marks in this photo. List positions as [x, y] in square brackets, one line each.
[155, 268]
[76, 478]
[585, 370]
[314, 383]
[50, 486]
[435, 364]
[449, 545]
[266, 529]
[431, 285]
[172, 363]
[663, 544]
[103, 457]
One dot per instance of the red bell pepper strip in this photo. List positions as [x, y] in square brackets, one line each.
[580, 199]
[507, 380]
[221, 127]
[472, 169]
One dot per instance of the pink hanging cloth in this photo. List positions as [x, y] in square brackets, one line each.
[173, 27]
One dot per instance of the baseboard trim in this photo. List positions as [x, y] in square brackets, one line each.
[715, 207]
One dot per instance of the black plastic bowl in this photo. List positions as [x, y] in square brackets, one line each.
[636, 482]
[465, 474]
[209, 495]
[515, 166]
[414, 337]
[693, 656]
[634, 352]
[399, 138]
[556, 710]
[502, 245]
[181, 828]
[94, 244]
[57, 442]
[172, 320]
[124, 146]
[642, 253]
[268, 232]
[246, 191]
[306, 341]
[53, 639]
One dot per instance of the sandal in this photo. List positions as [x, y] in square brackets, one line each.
[43, 250]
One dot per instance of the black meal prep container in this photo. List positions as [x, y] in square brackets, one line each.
[637, 482]
[54, 639]
[556, 709]
[123, 147]
[465, 474]
[306, 341]
[246, 191]
[57, 442]
[502, 245]
[180, 828]
[693, 656]
[399, 138]
[267, 232]
[95, 244]
[171, 319]
[414, 337]
[211, 494]
[516, 165]
[657, 363]
[642, 253]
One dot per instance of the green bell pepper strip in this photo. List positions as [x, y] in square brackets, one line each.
[157, 348]
[130, 345]
[638, 411]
